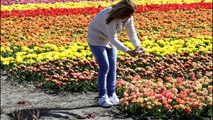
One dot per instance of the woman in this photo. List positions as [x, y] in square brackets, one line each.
[103, 42]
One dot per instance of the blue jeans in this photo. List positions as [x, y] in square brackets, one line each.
[106, 59]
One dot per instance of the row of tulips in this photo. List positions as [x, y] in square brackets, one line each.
[11, 2]
[166, 98]
[83, 4]
[63, 72]
[15, 55]
[184, 65]
[61, 30]
[58, 10]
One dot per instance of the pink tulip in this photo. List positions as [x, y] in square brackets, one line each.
[176, 107]
[179, 80]
[193, 78]
[160, 97]
[200, 106]
[168, 106]
[167, 94]
[131, 87]
[180, 101]
[174, 90]
[125, 94]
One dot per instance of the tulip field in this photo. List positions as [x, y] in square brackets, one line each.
[44, 42]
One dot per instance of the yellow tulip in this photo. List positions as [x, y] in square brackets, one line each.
[2, 50]
[19, 59]
[24, 48]
[84, 4]
[7, 61]
[40, 57]
[31, 61]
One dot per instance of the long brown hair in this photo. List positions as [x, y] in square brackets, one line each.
[122, 9]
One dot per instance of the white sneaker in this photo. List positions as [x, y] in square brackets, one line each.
[114, 99]
[104, 101]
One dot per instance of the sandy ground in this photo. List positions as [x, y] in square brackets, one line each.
[29, 103]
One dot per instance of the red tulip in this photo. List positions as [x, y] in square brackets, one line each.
[182, 94]
[187, 110]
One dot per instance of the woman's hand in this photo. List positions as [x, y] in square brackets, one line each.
[139, 50]
[132, 53]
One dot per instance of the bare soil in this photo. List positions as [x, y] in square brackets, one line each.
[26, 102]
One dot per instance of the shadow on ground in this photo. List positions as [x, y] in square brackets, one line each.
[60, 113]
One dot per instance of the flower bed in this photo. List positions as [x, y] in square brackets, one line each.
[46, 44]
[146, 66]
[15, 55]
[166, 98]
[28, 3]
[152, 25]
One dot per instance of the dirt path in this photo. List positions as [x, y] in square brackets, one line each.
[27, 102]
